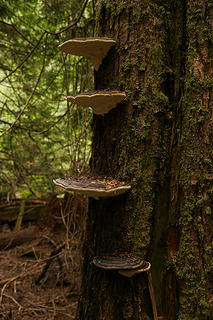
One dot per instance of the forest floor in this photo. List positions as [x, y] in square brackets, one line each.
[41, 278]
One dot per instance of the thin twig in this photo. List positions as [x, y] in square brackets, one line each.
[35, 267]
[28, 100]
[25, 59]
[18, 31]
[52, 125]
[14, 300]
[70, 25]
[54, 254]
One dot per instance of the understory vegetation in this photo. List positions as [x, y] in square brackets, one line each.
[41, 135]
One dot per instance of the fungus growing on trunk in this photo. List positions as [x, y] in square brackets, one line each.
[125, 264]
[95, 187]
[94, 49]
[100, 101]
[128, 265]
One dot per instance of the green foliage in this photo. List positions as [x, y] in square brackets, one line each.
[41, 136]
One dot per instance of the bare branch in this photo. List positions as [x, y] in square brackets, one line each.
[72, 24]
[25, 59]
[18, 17]
[52, 125]
[9, 123]
[30, 97]
[9, 98]
[19, 32]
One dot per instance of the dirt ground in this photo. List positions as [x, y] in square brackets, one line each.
[41, 279]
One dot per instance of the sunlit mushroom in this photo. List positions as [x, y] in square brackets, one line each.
[128, 265]
[94, 49]
[100, 101]
[95, 187]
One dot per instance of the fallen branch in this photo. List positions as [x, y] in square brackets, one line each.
[13, 239]
[33, 209]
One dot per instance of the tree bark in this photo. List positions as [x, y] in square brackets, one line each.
[193, 262]
[159, 141]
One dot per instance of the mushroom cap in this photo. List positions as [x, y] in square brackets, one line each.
[100, 101]
[95, 187]
[94, 49]
[120, 262]
[126, 265]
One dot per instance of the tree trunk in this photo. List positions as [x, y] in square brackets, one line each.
[159, 141]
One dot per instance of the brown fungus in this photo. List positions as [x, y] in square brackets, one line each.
[95, 187]
[100, 101]
[94, 49]
[128, 265]
[125, 264]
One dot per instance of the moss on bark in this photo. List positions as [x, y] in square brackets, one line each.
[193, 259]
[153, 140]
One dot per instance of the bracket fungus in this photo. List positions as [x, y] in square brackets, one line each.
[95, 187]
[128, 265]
[94, 49]
[100, 101]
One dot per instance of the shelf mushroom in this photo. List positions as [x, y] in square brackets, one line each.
[95, 187]
[94, 49]
[100, 101]
[128, 265]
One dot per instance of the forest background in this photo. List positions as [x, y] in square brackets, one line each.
[41, 135]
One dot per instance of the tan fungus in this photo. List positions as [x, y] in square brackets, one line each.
[100, 101]
[94, 49]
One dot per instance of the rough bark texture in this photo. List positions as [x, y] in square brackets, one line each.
[193, 262]
[160, 141]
